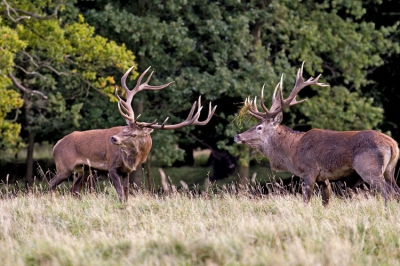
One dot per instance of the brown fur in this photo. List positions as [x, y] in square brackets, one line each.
[324, 155]
[118, 150]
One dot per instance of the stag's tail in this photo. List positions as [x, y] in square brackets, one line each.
[389, 173]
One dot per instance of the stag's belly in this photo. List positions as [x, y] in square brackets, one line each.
[334, 174]
[99, 165]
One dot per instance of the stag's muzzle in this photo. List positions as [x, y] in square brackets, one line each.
[114, 140]
[237, 139]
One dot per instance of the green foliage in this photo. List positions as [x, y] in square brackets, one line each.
[226, 50]
[338, 109]
[9, 98]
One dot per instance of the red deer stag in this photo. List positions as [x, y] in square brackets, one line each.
[320, 155]
[118, 150]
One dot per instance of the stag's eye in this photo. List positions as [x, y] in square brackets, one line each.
[259, 128]
[133, 135]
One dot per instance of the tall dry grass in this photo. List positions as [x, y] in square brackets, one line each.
[186, 229]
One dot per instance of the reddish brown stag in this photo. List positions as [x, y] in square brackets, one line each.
[118, 150]
[320, 155]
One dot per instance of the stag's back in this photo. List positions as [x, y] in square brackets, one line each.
[334, 153]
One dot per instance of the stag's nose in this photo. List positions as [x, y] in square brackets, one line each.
[237, 139]
[113, 140]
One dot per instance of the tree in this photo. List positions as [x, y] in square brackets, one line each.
[59, 64]
[10, 99]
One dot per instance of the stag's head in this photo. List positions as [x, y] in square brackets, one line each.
[270, 119]
[136, 135]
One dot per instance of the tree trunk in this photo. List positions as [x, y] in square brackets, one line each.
[31, 145]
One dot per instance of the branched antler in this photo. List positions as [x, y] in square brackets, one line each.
[278, 102]
[126, 110]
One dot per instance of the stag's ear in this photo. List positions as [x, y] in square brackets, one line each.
[278, 118]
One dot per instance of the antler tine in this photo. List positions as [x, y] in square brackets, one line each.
[210, 114]
[131, 93]
[127, 104]
[278, 86]
[276, 103]
[191, 111]
[165, 121]
[146, 86]
[127, 111]
[123, 114]
[277, 99]
[298, 86]
[262, 99]
[252, 108]
[255, 104]
[192, 119]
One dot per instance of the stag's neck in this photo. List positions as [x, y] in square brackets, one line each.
[279, 146]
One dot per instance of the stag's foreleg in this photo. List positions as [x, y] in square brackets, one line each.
[125, 182]
[308, 187]
[115, 180]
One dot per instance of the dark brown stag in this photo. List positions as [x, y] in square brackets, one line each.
[320, 155]
[118, 150]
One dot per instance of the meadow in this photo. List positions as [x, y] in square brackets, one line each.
[216, 226]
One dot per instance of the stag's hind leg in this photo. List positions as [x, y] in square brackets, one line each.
[326, 192]
[77, 183]
[58, 179]
[308, 188]
[370, 168]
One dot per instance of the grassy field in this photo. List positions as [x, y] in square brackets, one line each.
[215, 227]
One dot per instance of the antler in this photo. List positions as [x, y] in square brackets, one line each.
[127, 104]
[192, 119]
[278, 102]
[125, 107]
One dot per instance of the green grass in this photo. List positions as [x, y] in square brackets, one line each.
[198, 176]
[186, 229]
